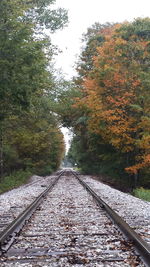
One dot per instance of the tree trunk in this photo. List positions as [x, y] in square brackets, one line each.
[135, 179]
[1, 156]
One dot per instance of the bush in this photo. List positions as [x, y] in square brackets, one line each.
[142, 193]
[14, 180]
[46, 170]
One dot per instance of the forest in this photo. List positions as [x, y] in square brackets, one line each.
[110, 110]
[106, 105]
[30, 136]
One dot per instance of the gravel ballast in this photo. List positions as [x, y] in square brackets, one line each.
[12, 203]
[69, 229]
[134, 211]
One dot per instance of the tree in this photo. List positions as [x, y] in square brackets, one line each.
[25, 54]
[23, 58]
[33, 140]
[114, 81]
[115, 92]
[93, 38]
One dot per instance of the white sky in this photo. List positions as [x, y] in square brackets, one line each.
[67, 136]
[83, 14]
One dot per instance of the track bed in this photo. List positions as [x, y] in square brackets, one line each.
[70, 229]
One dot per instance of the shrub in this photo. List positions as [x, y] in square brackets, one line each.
[14, 180]
[142, 193]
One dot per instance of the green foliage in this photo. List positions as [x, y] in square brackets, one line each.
[112, 131]
[24, 56]
[29, 130]
[67, 114]
[142, 193]
[14, 180]
[43, 16]
[33, 140]
[93, 38]
[140, 29]
[92, 155]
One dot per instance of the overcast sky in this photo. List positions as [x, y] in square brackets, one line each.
[83, 14]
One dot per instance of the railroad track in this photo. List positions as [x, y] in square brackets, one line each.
[65, 227]
[12, 208]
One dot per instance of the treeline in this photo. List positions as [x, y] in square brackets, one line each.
[30, 138]
[110, 110]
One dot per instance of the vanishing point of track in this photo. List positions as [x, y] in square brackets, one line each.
[65, 227]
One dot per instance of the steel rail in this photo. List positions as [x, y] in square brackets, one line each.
[141, 246]
[15, 226]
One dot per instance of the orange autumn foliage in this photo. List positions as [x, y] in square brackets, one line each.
[112, 96]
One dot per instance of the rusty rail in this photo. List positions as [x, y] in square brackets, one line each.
[7, 236]
[141, 246]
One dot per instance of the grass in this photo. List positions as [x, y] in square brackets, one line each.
[14, 180]
[142, 193]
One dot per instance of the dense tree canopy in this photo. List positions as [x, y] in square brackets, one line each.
[26, 79]
[107, 105]
[114, 79]
[24, 51]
